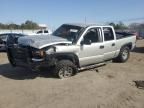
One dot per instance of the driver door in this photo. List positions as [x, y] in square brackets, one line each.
[91, 48]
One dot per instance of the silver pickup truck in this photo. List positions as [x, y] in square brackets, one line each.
[70, 48]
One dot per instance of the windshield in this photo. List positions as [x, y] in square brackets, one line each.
[68, 32]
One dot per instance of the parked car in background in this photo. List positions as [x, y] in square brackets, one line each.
[3, 39]
[138, 36]
[42, 32]
[72, 47]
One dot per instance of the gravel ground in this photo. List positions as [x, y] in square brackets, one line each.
[112, 86]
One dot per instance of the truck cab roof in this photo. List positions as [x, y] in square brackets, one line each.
[86, 25]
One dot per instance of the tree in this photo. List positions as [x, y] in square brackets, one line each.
[27, 25]
[136, 26]
[121, 26]
[2, 26]
[112, 24]
[13, 26]
[118, 26]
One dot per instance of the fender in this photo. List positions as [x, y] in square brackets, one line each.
[128, 44]
[69, 56]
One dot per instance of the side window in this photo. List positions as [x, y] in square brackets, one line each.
[39, 32]
[93, 35]
[108, 34]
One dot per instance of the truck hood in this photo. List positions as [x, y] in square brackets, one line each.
[42, 41]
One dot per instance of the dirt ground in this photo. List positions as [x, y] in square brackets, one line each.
[111, 86]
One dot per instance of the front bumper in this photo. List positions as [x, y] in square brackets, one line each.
[35, 64]
[32, 64]
[2, 47]
[37, 60]
[22, 57]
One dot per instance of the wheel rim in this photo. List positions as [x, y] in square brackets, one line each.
[125, 54]
[65, 72]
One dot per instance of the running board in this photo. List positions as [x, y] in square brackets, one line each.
[92, 66]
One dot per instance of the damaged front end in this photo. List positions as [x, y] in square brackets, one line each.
[29, 57]
[33, 51]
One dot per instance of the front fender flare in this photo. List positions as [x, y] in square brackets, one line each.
[68, 56]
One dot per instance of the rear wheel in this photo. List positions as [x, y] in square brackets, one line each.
[123, 55]
[65, 69]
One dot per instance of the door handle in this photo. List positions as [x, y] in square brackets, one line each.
[113, 44]
[101, 47]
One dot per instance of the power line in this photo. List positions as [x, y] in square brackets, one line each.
[116, 21]
[131, 19]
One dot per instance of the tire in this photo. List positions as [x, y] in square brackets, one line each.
[65, 69]
[123, 55]
[10, 58]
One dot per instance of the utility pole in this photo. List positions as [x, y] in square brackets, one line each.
[85, 20]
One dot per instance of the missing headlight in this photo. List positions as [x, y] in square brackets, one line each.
[38, 53]
[51, 50]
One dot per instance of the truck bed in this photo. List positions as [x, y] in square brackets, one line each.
[120, 35]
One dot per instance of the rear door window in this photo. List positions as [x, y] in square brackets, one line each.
[108, 34]
[45, 31]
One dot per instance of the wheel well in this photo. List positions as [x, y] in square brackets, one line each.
[72, 58]
[64, 58]
[129, 45]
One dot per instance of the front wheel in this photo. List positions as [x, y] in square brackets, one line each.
[65, 69]
[123, 55]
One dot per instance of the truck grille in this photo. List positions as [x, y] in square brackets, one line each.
[21, 54]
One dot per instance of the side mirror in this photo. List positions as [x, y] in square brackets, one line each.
[82, 42]
[86, 42]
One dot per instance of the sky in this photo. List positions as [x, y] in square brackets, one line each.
[56, 12]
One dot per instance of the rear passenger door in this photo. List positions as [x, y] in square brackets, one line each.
[109, 43]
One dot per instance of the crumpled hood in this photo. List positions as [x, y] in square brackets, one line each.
[41, 41]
